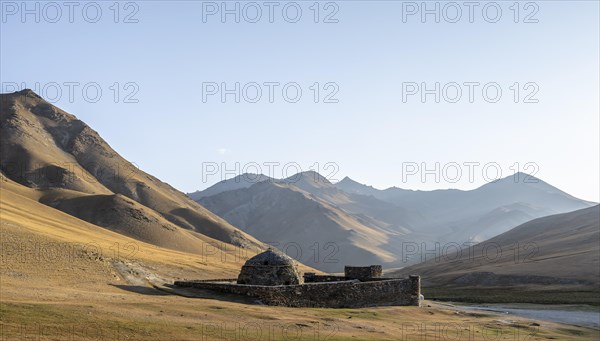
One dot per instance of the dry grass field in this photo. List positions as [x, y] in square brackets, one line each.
[93, 257]
[65, 279]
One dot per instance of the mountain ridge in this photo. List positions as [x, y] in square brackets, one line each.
[560, 246]
[404, 216]
[45, 148]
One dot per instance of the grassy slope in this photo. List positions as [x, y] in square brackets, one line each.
[558, 246]
[53, 287]
[43, 146]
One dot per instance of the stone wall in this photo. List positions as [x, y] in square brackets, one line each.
[311, 277]
[363, 272]
[346, 294]
[233, 280]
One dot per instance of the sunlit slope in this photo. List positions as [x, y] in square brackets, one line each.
[21, 214]
[206, 257]
[563, 249]
[75, 280]
[241, 181]
[327, 236]
[47, 148]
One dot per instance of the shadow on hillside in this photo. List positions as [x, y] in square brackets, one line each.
[138, 289]
[170, 289]
[207, 294]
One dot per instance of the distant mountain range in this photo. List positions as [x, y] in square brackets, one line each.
[311, 220]
[53, 159]
[50, 156]
[482, 213]
[371, 226]
[561, 249]
[241, 181]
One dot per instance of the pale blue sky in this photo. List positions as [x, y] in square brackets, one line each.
[369, 53]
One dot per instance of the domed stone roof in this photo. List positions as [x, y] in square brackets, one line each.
[270, 258]
[270, 268]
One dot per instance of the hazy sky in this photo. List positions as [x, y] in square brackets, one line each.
[366, 56]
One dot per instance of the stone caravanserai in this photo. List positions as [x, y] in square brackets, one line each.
[273, 278]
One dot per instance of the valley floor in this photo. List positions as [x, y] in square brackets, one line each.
[123, 314]
[64, 279]
[92, 299]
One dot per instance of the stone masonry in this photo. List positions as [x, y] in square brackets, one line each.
[273, 279]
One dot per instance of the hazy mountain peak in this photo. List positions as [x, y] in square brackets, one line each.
[308, 176]
[351, 186]
[521, 177]
[349, 181]
[521, 180]
[248, 177]
[244, 180]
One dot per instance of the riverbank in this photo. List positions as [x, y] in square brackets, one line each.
[577, 315]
